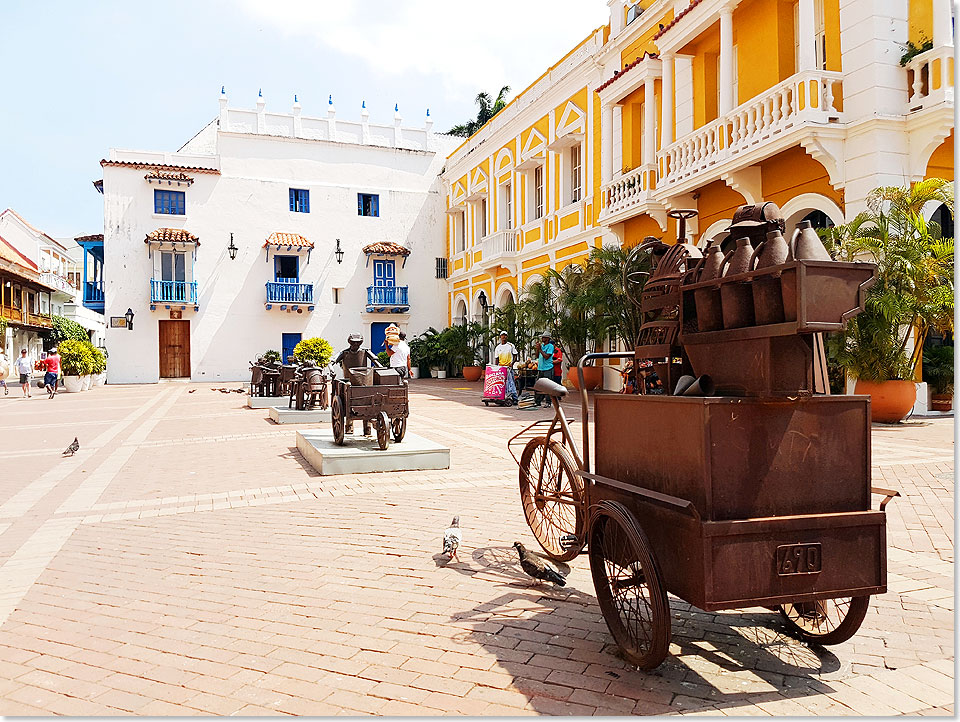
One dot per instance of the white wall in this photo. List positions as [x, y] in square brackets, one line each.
[250, 199]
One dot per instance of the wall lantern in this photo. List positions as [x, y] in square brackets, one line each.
[482, 298]
[232, 249]
[339, 252]
[129, 316]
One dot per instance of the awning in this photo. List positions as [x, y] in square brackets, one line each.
[290, 241]
[172, 236]
[386, 248]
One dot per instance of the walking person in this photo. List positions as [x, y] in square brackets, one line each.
[4, 371]
[51, 379]
[544, 350]
[504, 354]
[557, 364]
[23, 367]
[400, 358]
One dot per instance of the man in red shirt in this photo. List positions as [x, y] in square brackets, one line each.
[52, 376]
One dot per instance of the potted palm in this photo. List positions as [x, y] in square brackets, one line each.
[938, 372]
[76, 361]
[882, 346]
[463, 343]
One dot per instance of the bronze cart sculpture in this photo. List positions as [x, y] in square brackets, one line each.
[371, 394]
[758, 497]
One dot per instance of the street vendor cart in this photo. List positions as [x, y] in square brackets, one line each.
[373, 395]
[758, 496]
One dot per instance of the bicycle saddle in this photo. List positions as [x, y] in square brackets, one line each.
[550, 388]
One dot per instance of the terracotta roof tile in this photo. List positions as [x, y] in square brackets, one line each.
[134, 165]
[287, 239]
[171, 235]
[91, 237]
[388, 248]
[629, 66]
[676, 19]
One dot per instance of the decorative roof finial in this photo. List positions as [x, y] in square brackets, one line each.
[363, 104]
[330, 99]
[223, 90]
[260, 92]
[396, 108]
[428, 112]
[295, 98]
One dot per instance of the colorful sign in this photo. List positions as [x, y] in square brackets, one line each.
[118, 322]
[495, 383]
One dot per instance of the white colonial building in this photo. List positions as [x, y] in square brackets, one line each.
[265, 228]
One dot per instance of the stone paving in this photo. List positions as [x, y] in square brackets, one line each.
[188, 561]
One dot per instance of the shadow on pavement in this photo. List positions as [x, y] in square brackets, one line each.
[551, 639]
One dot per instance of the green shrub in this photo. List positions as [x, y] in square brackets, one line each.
[76, 359]
[64, 329]
[99, 360]
[384, 358]
[270, 356]
[314, 350]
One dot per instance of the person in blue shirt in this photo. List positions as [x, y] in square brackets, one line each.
[544, 351]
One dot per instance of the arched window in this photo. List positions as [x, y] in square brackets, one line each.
[944, 219]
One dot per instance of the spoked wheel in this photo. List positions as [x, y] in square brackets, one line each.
[337, 420]
[629, 585]
[826, 621]
[399, 428]
[383, 430]
[555, 515]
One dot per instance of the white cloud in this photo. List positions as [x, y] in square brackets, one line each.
[473, 47]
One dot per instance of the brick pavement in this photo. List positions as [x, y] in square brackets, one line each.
[187, 561]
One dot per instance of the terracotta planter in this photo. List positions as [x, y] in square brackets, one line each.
[941, 402]
[592, 377]
[890, 401]
[472, 373]
[72, 384]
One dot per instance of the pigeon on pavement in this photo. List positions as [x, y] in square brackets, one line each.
[452, 538]
[73, 448]
[537, 568]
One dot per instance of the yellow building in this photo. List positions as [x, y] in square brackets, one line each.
[708, 104]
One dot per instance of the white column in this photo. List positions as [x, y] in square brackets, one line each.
[606, 144]
[726, 61]
[942, 25]
[805, 36]
[666, 101]
[649, 122]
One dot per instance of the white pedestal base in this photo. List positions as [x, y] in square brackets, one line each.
[283, 415]
[265, 402]
[360, 455]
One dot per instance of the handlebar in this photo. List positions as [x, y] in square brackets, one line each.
[583, 398]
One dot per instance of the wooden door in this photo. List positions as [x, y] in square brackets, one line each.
[174, 349]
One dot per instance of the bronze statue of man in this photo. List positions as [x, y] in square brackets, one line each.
[355, 357]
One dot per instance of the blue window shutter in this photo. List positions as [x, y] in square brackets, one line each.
[306, 201]
[359, 204]
[292, 196]
[374, 205]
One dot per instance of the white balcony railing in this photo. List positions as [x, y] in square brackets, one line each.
[499, 246]
[628, 191]
[57, 281]
[806, 97]
[930, 78]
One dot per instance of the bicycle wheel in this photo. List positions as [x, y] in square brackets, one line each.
[556, 513]
[629, 585]
[826, 621]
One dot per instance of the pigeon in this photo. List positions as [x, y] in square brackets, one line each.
[191, 391]
[537, 568]
[452, 538]
[73, 448]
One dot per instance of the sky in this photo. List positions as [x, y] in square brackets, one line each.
[79, 78]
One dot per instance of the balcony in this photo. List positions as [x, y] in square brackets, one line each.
[55, 280]
[22, 317]
[388, 299]
[93, 295]
[930, 79]
[783, 116]
[289, 293]
[628, 195]
[173, 293]
[499, 249]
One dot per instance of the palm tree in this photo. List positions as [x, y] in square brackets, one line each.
[604, 271]
[914, 289]
[488, 109]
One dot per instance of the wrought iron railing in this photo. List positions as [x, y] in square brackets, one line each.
[289, 292]
[388, 296]
[173, 291]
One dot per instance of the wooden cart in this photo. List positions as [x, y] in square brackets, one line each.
[382, 404]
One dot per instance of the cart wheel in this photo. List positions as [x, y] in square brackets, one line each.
[383, 430]
[399, 428]
[826, 621]
[629, 585]
[485, 402]
[558, 511]
[336, 420]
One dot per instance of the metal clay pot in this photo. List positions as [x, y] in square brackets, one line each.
[807, 245]
[707, 300]
[767, 294]
[736, 299]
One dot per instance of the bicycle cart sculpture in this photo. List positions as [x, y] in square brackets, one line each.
[760, 496]
[371, 394]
